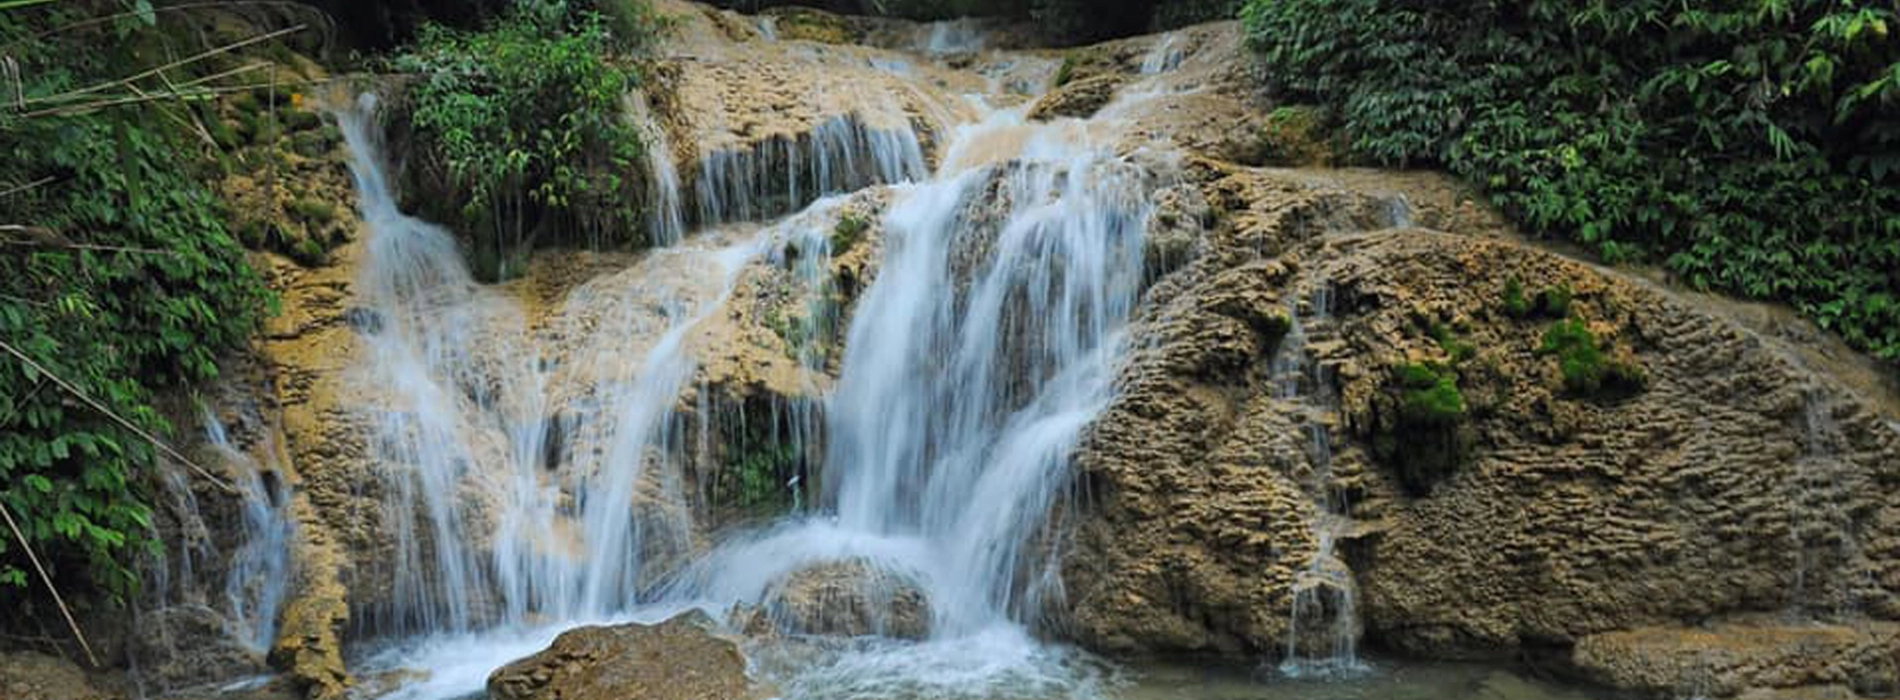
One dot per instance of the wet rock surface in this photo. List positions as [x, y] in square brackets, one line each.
[1740, 480]
[853, 598]
[680, 659]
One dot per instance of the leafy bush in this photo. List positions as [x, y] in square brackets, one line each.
[523, 123]
[1425, 441]
[1751, 147]
[118, 276]
[1588, 370]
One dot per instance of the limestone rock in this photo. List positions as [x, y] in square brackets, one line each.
[1080, 99]
[680, 659]
[851, 598]
[1750, 658]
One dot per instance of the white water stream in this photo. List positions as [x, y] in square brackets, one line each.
[963, 390]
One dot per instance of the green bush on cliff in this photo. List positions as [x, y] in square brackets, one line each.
[1750, 147]
[117, 276]
[1589, 371]
[1425, 442]
[525, 122]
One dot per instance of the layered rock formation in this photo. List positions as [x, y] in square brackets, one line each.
[1739, 480]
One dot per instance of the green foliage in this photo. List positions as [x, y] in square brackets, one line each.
[1552, 302]
[313, 210]
[524, 122]
[1454, 347]
[1515, 304]
[761, 463]
[1295, 135]
[1587, 368]
[1429, 394]
[847, 233]
[1066, 72]
[1425, 442]
[123, 282]
[1751, 147]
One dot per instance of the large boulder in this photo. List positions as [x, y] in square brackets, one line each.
[679, 659]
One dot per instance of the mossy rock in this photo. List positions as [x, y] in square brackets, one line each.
[312, 210]
[1589, 366]
[806, 24]
[1425, 441]
[1080, 98]
[1294, 135]
[299, 120]
[309, 253]
[846, 235]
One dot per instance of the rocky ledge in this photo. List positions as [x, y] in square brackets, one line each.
[679, 659]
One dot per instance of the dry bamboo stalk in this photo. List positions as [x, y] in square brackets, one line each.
[88, 400]
[48, 580]
[194, 58]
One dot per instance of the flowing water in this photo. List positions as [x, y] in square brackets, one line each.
[533, 458]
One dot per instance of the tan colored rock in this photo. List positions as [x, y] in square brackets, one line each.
[852, 598]
[680, 659]
[35, 676]
[1078, 99]
[1752, 659]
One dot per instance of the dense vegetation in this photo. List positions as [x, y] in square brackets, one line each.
[1751, 147]
[118, 278]
[521, 125]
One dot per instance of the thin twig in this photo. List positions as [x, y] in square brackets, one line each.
[194, 58]
[206, 93]
[167, 449]
[48, 580]
[85, 246]
[24, 400]
[22, 188]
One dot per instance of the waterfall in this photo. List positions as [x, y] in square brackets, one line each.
[494, 523]
[1323, 624]
[530, 467]
[260, 570]
[1164, 56]
[782, 174]
[666, 220]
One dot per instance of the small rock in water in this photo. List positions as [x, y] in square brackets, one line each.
[679, 659]
[852, 598]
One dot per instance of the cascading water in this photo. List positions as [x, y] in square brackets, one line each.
[260, 570]
[530, 477]
[1323, 624]
[490, 528]
[666, 219]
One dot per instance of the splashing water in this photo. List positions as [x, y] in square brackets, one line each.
[260, 570]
